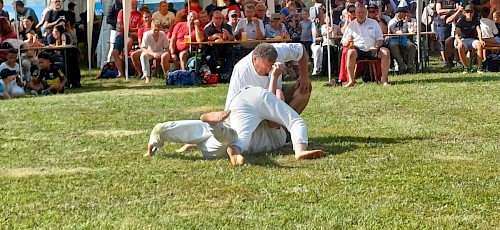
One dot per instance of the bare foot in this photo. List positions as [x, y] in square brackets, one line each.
[186, 147]
[234, 153]
[310, 154]
[385, 84]
[151, 151]
[349, 84]
[148, 79]
[215, 117]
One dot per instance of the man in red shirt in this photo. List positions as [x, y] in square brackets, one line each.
[136, 55]
[135, 21]
[178, 47]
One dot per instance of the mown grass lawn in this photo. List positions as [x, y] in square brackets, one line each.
[422, 153]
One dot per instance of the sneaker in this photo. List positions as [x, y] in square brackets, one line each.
[45, 92]
[34, 92]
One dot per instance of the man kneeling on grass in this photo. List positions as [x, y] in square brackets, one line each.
[242, 132]
[50, 80]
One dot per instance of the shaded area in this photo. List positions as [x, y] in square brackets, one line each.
[467, 78]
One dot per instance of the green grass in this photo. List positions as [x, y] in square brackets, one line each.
[422, 153]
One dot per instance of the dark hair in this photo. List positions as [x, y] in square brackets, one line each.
[265, 51]
[29, 17]
[13, 51]
[19, 4]
[5, 27]
[60, 29]
[44, 55]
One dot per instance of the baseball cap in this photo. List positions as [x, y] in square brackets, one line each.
[400, 10]
[5, 73]
[232, 12]
[469, 8]
[71, 4]
[372, 7]
[275, 16]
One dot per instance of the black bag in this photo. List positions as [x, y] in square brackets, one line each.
[493, 62]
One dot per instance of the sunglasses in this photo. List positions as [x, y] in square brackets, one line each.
[351, 11]
[372, 11]
[234, 16]
[469, 12]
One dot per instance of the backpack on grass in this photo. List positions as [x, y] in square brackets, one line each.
[108, 71]
[182, 78]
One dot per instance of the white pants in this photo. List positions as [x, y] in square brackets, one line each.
[317, 55]
[112, 39]
[249, 108]
[14, 90]
[27, 63]
[146, 68]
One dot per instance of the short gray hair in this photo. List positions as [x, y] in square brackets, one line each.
[250, 6]
[265, 51]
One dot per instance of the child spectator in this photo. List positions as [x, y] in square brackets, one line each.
[50, 80]
[496, 19]
[7, 78]
[29, 58]
[15, 87]
[306, 33]
[488, 29]
[292, 24]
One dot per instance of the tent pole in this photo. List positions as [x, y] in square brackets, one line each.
[419, 44]
[17, 23]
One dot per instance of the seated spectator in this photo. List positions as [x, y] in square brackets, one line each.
[468, 36]
[367, 39]
[400, 45]
[29, 59]
[136, 55]
[153, 46]
[7, 78]
[496, 19]
[58, 37]
[166, 17]
[217, 30]
[276, 28]
[3, 13]
[178, 47]
[27, 24]
[260, 13]
[14, 86]
[135, 21]
[373, 13]
[51, 79]
[6, 32]
[489, 30]
[204, 19]
[252, 26]
[233, 20]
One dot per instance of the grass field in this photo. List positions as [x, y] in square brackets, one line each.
[420, 154]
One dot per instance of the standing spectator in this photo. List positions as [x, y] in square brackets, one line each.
[166, 17]
[213, 7]
[178, 47]
[71, 13]
[276, 28]
[3, 13]
[194, 5]
[25, 12]
[153, 46]
[402, 49]
[292, 24]
[316, 47]
[171, 8]
[468, 36]
[306, 33]
[444, 9]
[285, 11]
[260, 13]
[367, 38]
[111, 19]
[56, 16]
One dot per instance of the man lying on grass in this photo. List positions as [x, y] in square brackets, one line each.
[240, 131]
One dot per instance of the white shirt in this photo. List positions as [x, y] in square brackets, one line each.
[488, 28]
[365, 35]
[314, 11]
[244, 73]
[165, 19]
[148, 41]
[393, 26]
[250, 28]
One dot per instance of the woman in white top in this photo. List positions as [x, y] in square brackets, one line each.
[166, 17]
[154, 45]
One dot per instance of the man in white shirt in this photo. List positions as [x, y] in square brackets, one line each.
[368, 39]
[252, 26]
[154, 46]
[166, 17]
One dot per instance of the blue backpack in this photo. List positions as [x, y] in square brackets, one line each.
[181, 78]
[108, 71]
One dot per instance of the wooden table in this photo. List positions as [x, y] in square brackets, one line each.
[239, 42]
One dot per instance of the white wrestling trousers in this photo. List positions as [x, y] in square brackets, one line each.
[244, 128]
[112, 39]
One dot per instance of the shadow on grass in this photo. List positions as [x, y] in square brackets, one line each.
[486, 78]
